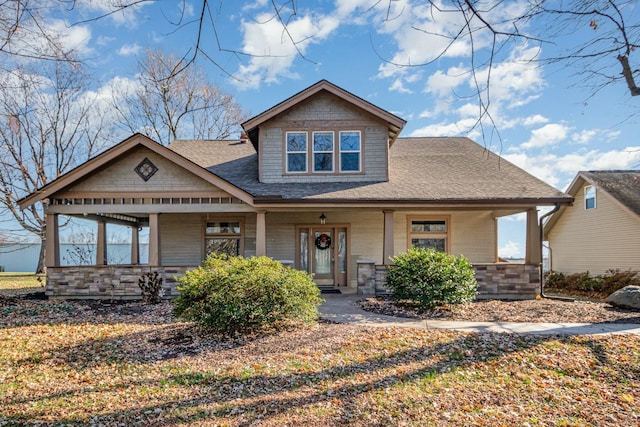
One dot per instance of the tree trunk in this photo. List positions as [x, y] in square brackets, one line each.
[628, 75]
[41, 266]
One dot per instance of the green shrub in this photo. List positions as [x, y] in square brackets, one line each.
[605, 284]
[236, 294]
[429, 278]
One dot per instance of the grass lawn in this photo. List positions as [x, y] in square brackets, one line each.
[64, 363]
[20, 283]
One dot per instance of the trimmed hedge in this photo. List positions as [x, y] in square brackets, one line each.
[237, 294]
[429, 278]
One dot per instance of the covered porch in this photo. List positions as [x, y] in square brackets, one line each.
[179, 239]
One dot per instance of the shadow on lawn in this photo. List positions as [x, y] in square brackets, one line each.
[261, 394]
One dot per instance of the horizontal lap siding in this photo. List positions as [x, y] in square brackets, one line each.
[595, 240]
[181, 239]
[182, 236]
[472, 234]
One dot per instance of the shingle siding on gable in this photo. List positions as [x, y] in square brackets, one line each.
[324, 112]
[121, 177]
[595, 240]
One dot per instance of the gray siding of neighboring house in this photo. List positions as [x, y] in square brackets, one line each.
[595, 240]
[320, 113]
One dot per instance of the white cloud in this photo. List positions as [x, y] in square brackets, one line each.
[443, 84]
[550, 134]
[559, 170]
[510, 250]
[129, 49]
[74, 38]
[104, 40]
[585, 136]
[461, 127]
[273, 51]
[398, 86]
[111, 9]
[536, 119]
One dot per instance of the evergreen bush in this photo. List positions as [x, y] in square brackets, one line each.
[429, 278]
[237, 294]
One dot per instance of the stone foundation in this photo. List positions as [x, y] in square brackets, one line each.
[507, 281]
[116, 282]
[495, 281]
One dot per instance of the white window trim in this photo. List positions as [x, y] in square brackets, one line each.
[287, 152]
[339, 148]
[314, 152]
[595, 200]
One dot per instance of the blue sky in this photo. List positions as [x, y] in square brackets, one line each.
[549, 122]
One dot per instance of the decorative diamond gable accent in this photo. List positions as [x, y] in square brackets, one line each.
[146, 169]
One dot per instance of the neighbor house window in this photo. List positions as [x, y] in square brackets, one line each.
[296, 151]
[350, 147]
[429, 233]
[589, 197]
[223, 237]
[323, 151]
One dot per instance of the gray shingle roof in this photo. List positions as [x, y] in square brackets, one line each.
[624, 185]
[432, 170]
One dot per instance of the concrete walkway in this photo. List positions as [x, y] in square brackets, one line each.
[340, 308]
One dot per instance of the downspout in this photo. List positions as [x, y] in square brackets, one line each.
[542, 218]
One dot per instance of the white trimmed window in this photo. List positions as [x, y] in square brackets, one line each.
[223, 237]
[429, 233]
[589, 197]
[296, 152]
[323, 151]
[350, 151]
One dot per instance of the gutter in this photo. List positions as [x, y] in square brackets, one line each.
[555, 297]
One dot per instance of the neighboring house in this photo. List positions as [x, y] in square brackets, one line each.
[601, 230]
[320, 181]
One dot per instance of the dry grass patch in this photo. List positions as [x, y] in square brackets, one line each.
[19, 284]
[128, 364]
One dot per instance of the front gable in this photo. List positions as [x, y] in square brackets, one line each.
[137, 167]
[141, 173]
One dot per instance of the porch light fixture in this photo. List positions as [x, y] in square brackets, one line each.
[323, 218]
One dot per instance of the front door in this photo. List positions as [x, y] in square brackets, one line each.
[323, 252]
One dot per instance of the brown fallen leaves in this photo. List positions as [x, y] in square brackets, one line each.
[64, 363]
[545, 310]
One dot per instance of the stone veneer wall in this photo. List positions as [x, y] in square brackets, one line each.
[495, 281]
[107, 282]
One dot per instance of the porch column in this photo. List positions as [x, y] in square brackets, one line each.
[52, 242]
[154, 239]
[387, 248]
[101, 248]
[261, 233]
[533, 255]
[135, 246]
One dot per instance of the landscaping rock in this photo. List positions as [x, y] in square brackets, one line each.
[627, 297]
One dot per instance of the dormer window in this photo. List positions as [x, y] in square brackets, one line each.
[296, 152]
[350, 151]
[589, 197]
[323, 151]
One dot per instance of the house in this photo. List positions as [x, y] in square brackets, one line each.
[601, 230]
[320, 181]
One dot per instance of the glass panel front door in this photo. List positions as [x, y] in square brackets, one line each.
[323, 251]
[323, 255]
